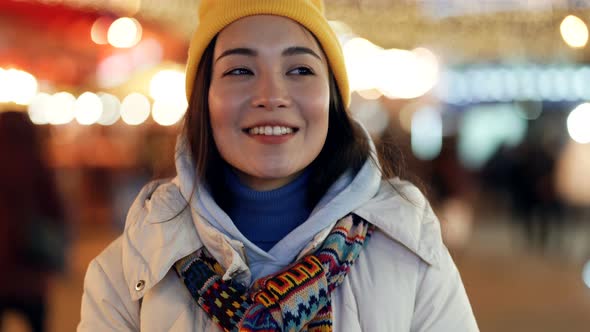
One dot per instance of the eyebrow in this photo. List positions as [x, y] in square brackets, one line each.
[237, 51]
[293, 50]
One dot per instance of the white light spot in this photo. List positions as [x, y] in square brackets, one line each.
[39, 108]
[61, 109]
[88, 108]
[578, 124]
[168, 85]
[17, 86]
[135, 109]
[110, 109]
[125, 32]
[167, 113]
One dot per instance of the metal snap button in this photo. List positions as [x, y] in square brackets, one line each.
[139, 285]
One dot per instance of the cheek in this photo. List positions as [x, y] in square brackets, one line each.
[221, 119]
[222, 107]
[316, 103]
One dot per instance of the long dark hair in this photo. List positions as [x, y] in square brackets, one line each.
[346, 146]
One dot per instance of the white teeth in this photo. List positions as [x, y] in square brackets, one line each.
[270, 130]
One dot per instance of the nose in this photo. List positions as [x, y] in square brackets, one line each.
[271, 92]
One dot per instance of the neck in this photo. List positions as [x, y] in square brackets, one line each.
[265, 217]
[260, 184]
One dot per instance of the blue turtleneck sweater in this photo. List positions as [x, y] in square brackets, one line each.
[265, 217]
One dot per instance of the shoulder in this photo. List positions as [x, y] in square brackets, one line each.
[401, 212]
[110, 257]
[106, 271]
[106, 302]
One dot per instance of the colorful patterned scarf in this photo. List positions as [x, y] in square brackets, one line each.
[294, 299]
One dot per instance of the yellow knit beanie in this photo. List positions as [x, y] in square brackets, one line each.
[214, 15]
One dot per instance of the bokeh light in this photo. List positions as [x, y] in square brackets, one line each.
[574, 31]
[485, 128]
[88, 108]
[168, 85]
[360, 56]
[124, 32]
[135, 109]
[100, 29]
[427, 133]
[396, 74]
[39, 108]
[111, 107]
[61, 108]
[578, 123]
[17, 86]
[422, 74]
[167, 113]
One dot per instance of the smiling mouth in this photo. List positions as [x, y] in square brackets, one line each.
[271, 130]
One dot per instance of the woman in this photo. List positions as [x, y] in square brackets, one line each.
[288, 225]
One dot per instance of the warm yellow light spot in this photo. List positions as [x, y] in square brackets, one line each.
[17, 86]
[125, 32]
[574, 31]
[168, 85]
[100, 29]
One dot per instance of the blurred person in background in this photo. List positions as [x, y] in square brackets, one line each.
[280, 217]
[31, 221]
[525, 174]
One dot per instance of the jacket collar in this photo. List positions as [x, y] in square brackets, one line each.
[402, 212]
[162, 228]
[156, 235]
[158, 232]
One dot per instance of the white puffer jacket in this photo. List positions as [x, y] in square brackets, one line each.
[404, 279]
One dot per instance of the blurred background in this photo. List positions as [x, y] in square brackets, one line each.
[487, 102]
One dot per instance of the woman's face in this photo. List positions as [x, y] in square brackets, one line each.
[268, 99]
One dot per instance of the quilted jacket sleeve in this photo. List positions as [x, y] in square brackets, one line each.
[106, 303]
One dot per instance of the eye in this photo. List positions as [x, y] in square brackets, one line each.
[238, 72]
[301, 71]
